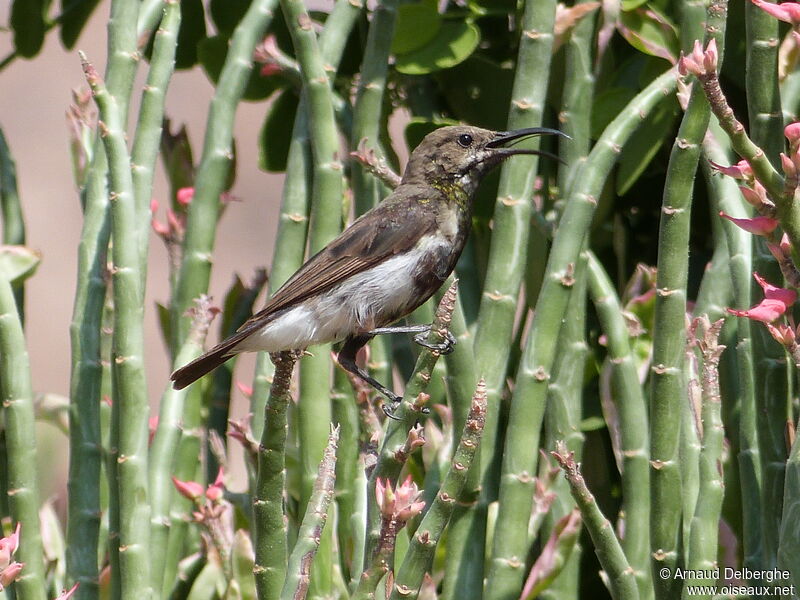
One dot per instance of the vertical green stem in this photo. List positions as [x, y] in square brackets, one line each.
[269, 525]
[501, 287]
[215, 165]
[535, 367]
[563, 421]
[314, 409]
[151, 115]
[668, 389]
[766, 130]
[13, 221]
[83, 519]
[628, 397]
[20, 438]
[130, 406]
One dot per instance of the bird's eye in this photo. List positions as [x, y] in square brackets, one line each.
[465, 140]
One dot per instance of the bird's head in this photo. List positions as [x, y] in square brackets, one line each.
[462, 154]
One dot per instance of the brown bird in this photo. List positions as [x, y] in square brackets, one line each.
[383, 266]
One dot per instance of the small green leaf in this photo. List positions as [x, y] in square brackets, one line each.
[17, 263]
[644, 144]
[276, 133]
[74, 16]
[211, 53]
[417, 24]
[592, 424]
[164, 322]
[650, 32]
[455, 42]
[27, 22]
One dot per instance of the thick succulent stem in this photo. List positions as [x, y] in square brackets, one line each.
[505, 271]
[130, 408]
[311, 529]
[668, 382]
[269, 525]
[214, 166]
[20, 445]
[628, 396]
[536, 364]
[420, 553]
[85, 382]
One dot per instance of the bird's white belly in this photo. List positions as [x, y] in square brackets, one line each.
[360, 303]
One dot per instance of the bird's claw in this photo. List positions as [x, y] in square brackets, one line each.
[443, 348]
[389, 409]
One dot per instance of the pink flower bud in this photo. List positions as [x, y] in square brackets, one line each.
[788, 12]
[184, 196]
[756, 197]
[10, 574]
[216, 490]
[741, 170]
[188, 489]
[782, 333]
[775, 303]
[792, 133]
[699, 62]
[9, 545]
[789, 168]
[756, 225]
[772, 292]
[765, 311]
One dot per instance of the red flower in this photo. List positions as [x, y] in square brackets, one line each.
[788, 12]
[776, 302]
[756, 225]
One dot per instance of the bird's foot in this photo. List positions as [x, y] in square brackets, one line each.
[395, 400]
[443, 348]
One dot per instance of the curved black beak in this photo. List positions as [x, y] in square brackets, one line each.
[504, 137]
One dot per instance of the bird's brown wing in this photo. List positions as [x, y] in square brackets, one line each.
[382, 232]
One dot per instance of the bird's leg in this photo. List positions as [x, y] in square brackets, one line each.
[347, 358]
[445, 347]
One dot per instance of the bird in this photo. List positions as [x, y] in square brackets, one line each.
[383, 266]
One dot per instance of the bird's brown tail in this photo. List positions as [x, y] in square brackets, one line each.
[204, 364]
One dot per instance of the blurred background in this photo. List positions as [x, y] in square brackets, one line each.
[34, 97]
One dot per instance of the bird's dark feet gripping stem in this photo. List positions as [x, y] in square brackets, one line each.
[347, 357]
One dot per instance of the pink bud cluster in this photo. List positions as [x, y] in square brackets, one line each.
[9, 568]
[208, 500]
[699, 62]
[400, 504]
[268, 54]
[775, 303]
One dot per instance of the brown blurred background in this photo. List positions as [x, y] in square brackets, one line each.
[34, 96]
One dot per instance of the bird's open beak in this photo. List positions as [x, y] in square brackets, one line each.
[498, 144]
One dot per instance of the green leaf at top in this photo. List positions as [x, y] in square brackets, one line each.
[276, 133]
[74, 15]
[17, 263]
[417, 24]
[211, 53]
[455, 42]
[650, 32]
[27, 22]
